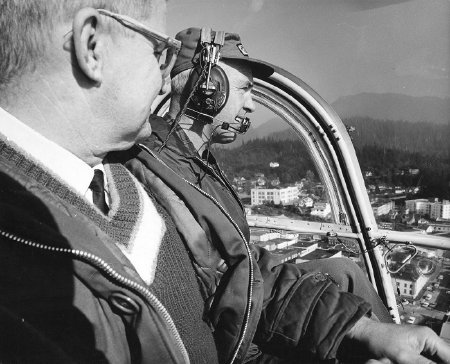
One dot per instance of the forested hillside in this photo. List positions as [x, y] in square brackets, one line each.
[432, 139]
[383, 147]
[255, 157]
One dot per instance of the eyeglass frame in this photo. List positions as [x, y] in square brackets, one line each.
[138, 27]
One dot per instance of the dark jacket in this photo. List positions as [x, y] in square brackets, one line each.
[67, 293]
[249, 298]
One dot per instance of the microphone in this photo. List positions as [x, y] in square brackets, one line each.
[243, 122]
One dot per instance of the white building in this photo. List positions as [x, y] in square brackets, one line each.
[283, 196]
[306, 201]
[446, 209]
[383, 208]
[281, 243]
[434, 209]
[423, 207]
[306, 247]
[277, 244]
[261, 235]
[408, 282]
[268, 245]
[438, 227]
[321, 209]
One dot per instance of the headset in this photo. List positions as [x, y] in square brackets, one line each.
[207, 79]
[209, 85]
[207, 88]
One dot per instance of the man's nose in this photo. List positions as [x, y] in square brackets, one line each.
[249, 105]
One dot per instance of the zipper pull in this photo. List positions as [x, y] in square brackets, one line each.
[332, 279]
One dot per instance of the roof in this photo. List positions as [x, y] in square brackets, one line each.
[408, 273]
[280, 240]
[304, 244]
[258, 232]
[319, 254]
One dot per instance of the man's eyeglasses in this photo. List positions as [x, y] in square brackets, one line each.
[165, 44]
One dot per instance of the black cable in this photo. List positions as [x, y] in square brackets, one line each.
[183, 109]
[208, 146]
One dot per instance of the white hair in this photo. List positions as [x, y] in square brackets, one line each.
[26, 27]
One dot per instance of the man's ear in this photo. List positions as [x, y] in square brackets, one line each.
[88, 50]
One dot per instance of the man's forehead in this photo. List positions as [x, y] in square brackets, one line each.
[236, 68]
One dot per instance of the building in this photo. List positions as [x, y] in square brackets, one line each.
[269, 245]
[446, 209]
[284, 196]
[420, 206]
[319, 254]
[306, 202]
[306, 247]
[281, 243]
[289, 235]
[321, 209]
[286, 255]
[262, 235]
[383, 207]
[434, 208]
[408, 281]
[438, 227]
[272, 240]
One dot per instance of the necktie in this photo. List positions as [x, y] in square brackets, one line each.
[98, 191]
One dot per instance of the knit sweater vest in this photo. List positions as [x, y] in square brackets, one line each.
[176, 286]
[175, 282]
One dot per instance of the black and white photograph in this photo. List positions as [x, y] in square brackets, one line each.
[225, 181]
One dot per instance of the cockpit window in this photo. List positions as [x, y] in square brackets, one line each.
[274, 174]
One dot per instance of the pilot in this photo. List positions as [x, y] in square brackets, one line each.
[259, 311]
[216, 117]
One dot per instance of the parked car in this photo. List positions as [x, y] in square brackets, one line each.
[411, 320]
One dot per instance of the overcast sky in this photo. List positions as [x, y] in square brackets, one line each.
[339, 47]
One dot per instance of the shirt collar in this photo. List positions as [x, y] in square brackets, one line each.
[69, 168]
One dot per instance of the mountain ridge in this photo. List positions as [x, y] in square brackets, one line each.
[392, 106]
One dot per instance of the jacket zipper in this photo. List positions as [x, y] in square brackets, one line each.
[106, 268]
[247, 247]
[222, 179]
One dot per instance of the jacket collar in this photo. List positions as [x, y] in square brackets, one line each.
[161, 127]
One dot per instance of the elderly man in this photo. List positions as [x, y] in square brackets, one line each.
[87, 276]
[288, 313]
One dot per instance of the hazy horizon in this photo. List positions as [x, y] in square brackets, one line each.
[338, 47]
